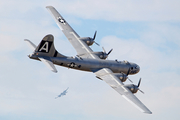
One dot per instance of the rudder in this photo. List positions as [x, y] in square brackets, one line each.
[46, 47]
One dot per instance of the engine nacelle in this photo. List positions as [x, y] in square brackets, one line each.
[133, 88]
[121, 76]
[89, 41]
[101, 55]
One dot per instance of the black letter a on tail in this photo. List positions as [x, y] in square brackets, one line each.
[45, 46]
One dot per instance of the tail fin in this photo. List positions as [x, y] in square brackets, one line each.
[44, 51]
[46, 47]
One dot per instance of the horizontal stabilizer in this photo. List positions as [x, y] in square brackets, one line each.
[47, 61]
[31, 45]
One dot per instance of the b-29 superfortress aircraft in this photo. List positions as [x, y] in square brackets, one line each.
[114, 73]
[62, 94]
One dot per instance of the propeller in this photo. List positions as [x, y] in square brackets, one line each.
[94, 38]
[139, 82]
[105, 51]
[139, 85]
[130, 80]
[128, 77]
[128, 71]
[94, 35]
[109, 51]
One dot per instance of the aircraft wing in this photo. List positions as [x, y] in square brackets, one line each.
[111, 79]
[81, 47]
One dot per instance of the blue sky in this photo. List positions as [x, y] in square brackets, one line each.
[141, 31]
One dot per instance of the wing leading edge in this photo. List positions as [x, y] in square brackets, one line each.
[112, 80]
[80, 46]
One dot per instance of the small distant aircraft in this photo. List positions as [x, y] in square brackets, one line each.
[62, 94]
[113, 72]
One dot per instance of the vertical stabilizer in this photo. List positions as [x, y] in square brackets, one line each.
[45, 51]
[46, 47]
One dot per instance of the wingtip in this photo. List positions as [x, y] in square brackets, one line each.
[55, 71]
[149, 112]
[49, 7]
[26, 40]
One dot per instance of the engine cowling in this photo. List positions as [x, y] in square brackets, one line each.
[122, 77]
[102, 55]
[89, 41]
[133, 88]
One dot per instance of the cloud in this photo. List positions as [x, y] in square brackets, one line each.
[162, 35]
[28, 87]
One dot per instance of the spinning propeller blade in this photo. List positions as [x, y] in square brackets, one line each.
[139, 85]
[104, 50]
[128, 71]
[94, 38]
[130, 80]
[108, 52]
[94, 35]
[141, 91]
[139, 82]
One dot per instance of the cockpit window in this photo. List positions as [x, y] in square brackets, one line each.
[125, 61]
[137, 67]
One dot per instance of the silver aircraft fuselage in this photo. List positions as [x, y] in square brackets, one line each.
[86, 64]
